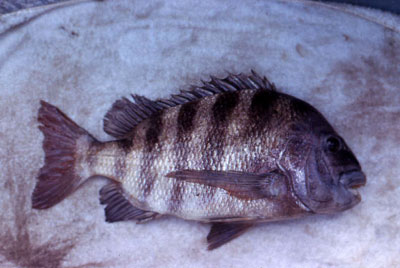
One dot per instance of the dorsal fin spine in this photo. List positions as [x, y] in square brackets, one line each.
[124, 115]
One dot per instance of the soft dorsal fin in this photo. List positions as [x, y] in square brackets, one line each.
[124, 115]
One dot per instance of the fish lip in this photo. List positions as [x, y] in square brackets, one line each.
[352, 179]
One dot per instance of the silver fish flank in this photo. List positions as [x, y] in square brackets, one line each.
[233, 152]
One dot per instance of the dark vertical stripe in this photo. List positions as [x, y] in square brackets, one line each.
[94, 148]
[224, 106]
[176, 197]
[148, 187]
[120, 166]
[153, 132]
[124, 146]
[302, 108]
[214, 142]
[186, 115]
[185, 124]
[262, 109]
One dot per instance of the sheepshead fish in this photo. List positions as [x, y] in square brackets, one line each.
[233, 152]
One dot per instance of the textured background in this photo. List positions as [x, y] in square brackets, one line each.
[82, 57]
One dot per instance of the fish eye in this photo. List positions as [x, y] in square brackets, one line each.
[333, 144]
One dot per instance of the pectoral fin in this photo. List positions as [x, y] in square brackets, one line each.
[240, 184]
[222, 233]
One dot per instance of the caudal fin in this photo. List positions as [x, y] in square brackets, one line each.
[65, 145]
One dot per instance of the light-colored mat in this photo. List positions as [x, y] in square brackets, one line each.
[82, 57]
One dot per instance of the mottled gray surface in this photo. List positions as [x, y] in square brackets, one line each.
[9, 6]
[83, 57]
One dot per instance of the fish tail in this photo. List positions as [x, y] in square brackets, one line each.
[66, 148]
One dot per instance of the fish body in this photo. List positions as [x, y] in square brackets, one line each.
[232, 152]
[210, 143]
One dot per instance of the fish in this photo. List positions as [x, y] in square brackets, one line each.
[232, 152]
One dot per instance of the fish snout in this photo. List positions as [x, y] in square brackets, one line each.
[352, 179]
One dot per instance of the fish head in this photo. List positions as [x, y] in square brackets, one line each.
[331, 171]
[332, 174]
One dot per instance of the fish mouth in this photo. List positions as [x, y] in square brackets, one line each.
[352, 180]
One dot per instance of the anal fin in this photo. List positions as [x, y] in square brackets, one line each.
[222, 233]
[119, 208]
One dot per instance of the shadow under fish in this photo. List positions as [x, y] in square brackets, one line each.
[233, 152]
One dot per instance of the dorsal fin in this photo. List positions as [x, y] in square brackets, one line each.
[124, 115]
